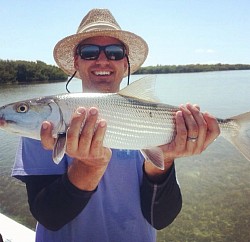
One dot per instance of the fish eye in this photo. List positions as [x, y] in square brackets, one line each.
[22, 108]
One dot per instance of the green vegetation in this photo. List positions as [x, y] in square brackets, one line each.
[27, 71]
[164, 69]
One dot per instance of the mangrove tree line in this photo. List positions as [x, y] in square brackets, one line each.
[28, 71]
[164, 69]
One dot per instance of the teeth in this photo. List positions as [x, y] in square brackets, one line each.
[102, 73]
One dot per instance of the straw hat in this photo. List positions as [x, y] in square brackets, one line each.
[100, 22]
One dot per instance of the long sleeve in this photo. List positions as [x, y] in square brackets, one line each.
[161, 203]
[53, 200]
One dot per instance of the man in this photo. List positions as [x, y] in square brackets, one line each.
[95, 193]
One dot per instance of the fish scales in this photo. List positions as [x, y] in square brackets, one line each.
[131, 123]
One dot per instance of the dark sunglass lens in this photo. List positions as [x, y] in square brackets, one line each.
[114, 52]
[89, 52]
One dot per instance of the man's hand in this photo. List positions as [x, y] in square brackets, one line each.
[85, 146]
[195, 131]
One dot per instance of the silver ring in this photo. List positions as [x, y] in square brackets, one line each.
[192, 139]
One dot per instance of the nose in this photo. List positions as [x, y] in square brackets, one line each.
[102, 57]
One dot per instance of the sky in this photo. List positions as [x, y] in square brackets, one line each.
[178, 32]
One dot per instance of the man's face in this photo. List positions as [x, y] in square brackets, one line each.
[101, 75]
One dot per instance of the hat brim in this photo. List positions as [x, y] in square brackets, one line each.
[65, 49]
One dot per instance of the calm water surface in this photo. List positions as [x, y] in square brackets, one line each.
[215, 185]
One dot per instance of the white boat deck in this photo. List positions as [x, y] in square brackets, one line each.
[12, 231]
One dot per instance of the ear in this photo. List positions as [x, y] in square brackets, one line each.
[125, 65]
[76, 65]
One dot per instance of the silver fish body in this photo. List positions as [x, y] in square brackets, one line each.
[135, 119]
[132, 123]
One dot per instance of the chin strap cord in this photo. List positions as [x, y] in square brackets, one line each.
[128, 69]
[69, 81]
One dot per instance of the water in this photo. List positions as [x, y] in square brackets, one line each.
[215, 185]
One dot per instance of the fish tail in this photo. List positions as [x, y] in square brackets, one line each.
[240, 133]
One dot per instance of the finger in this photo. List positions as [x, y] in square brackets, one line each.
[213, 130]
[74, 130]
[46, 135]
[88, 132]
[197, 106]
[202, 127]
[178, 145]
[98, 138]
[192, 130]
[190, 122]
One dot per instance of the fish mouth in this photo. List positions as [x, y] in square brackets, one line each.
[4, 122]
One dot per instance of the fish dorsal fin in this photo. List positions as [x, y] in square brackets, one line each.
[143, 89]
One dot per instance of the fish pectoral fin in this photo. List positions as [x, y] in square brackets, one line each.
[155, 156]
[59, 147]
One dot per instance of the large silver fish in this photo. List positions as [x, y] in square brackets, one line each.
[136, 120]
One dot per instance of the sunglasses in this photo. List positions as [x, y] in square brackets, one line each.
[92, 52]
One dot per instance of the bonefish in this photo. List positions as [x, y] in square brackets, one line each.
[136, 120]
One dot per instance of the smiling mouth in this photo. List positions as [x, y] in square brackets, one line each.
[102, 73]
